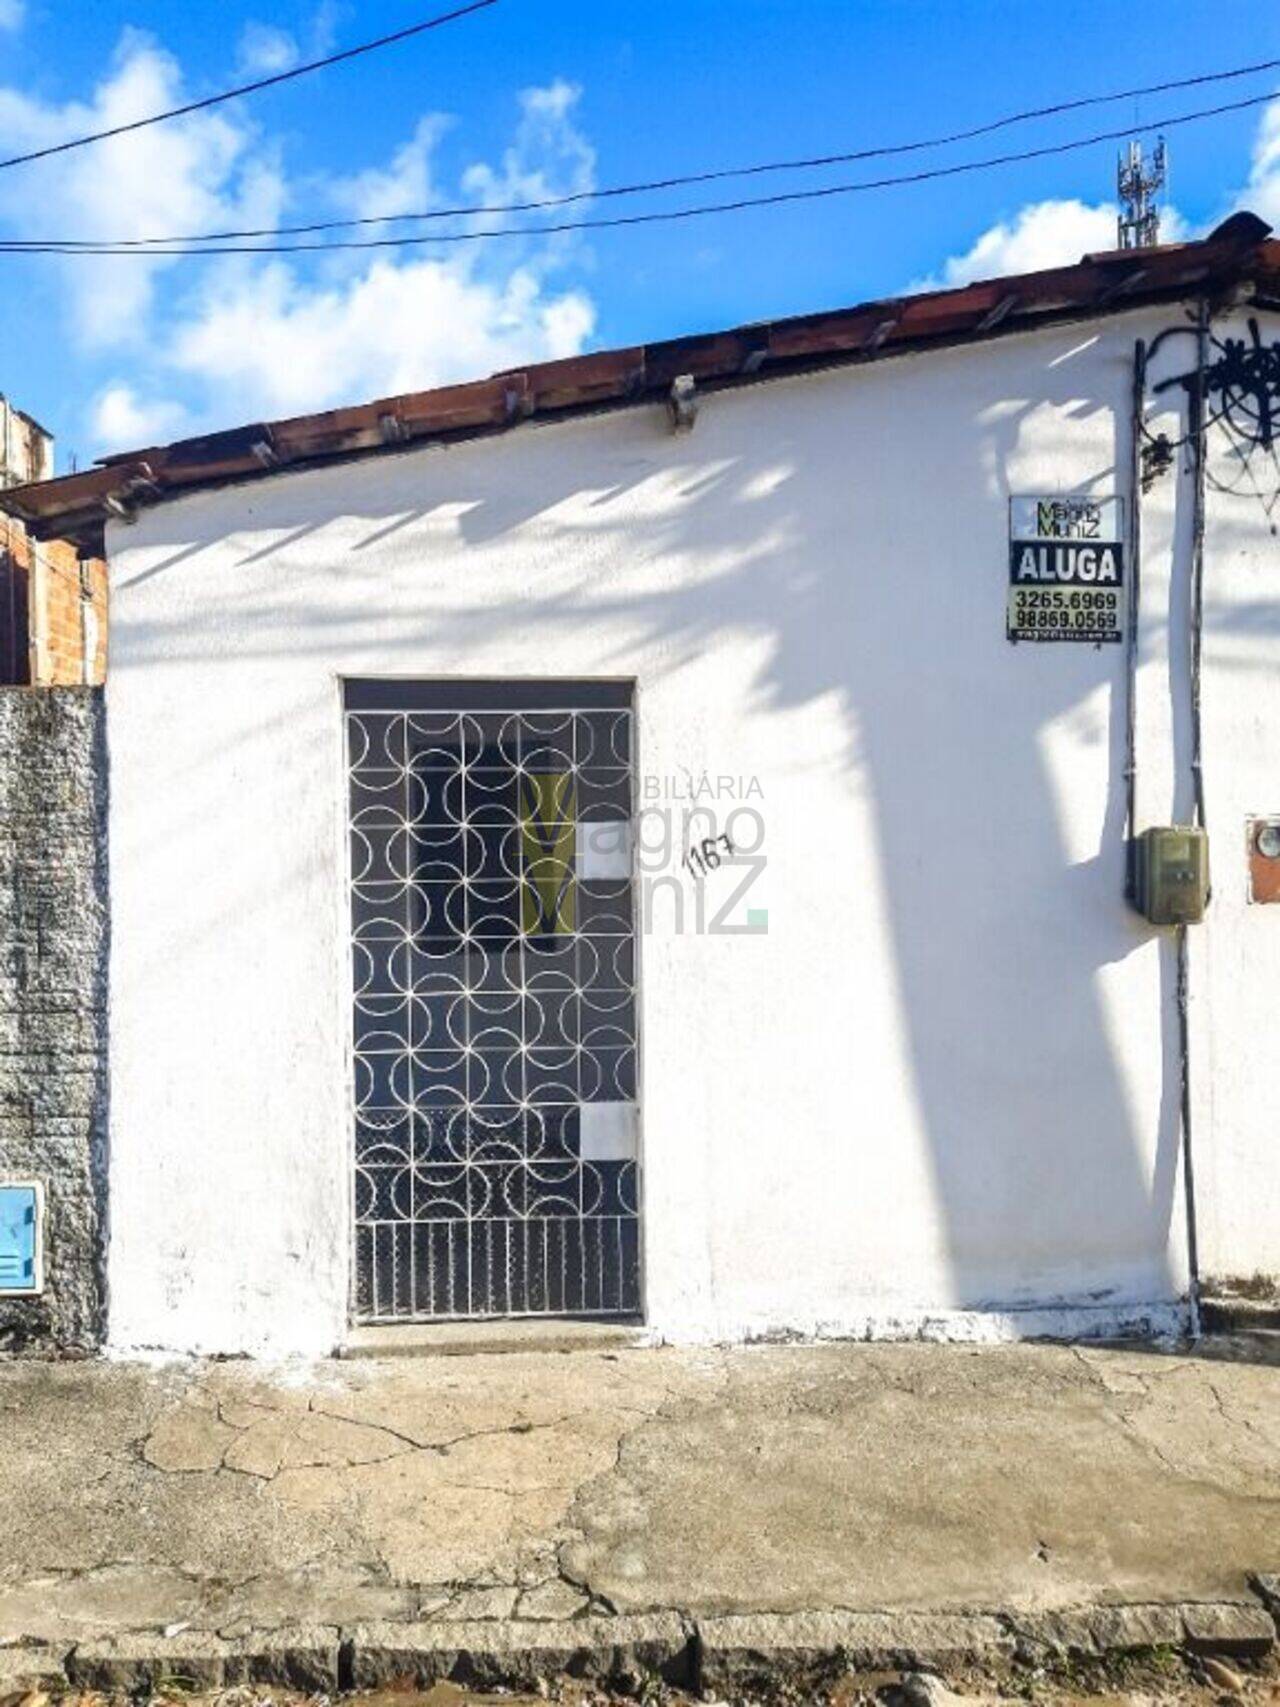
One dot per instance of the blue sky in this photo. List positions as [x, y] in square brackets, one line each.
[543, 96]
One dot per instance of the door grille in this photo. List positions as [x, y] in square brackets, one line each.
[494, 1021]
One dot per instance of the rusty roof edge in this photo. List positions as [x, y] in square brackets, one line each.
[77, 505]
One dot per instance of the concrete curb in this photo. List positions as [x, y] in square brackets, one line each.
[301, 1659]
[747, 1652]
[1227, 1315]
[27, 1668]
[738, 1650]
[515, 1653]
[1240, 1630]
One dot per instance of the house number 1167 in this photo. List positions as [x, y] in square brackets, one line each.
[705, 856]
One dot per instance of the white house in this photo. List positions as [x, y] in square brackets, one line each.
[586, 844]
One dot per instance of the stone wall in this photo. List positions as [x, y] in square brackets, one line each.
[53, 937]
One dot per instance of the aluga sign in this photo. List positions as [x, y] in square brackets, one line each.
[1066, 569]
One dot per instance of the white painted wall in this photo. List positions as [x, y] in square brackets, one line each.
[939, 1091]
[1235, 973]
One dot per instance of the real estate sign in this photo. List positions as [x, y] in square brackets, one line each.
[1066, 569]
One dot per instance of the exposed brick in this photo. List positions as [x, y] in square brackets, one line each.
[54, 605]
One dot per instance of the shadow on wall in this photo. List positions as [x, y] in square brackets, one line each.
[845, 618]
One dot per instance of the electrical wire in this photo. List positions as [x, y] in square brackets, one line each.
[1136, 444]
[77, 247]
[688, 179]
[250, 88]
[1200, 457]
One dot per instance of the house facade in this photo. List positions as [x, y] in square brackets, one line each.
[649, 838]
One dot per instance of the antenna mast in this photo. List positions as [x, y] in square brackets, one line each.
[1138, 226]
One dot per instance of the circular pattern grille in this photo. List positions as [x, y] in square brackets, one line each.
[494, 1002]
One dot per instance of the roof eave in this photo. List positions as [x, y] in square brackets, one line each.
[77, 506]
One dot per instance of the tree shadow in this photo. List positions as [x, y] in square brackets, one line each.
[864, 570]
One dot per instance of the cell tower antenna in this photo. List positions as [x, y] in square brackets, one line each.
[1138, 226]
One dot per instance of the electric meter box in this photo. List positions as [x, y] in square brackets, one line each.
[1173, 874]
[21, 1239]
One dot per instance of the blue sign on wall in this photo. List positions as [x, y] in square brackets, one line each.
[19, 1238]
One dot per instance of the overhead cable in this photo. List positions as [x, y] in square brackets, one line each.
[249, 88]
[47, 246]
[686, 180]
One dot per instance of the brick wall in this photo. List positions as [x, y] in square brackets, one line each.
[53, 612]
[68, 617]
[53, 940]
[53, 607]
[15, 593]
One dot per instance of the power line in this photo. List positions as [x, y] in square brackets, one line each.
[688, 179]
[250, 88]
[780, 198]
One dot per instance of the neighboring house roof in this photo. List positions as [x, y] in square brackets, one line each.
[1237, 255]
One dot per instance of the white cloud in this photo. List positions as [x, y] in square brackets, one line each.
[12, 13]
[271, 343]
[1042, 234]
[1055, 233]
[324, 26]
[1262, 193]
[265, 49]
[1051, 233]
[122, 421]
[193, 174]
[548, 156]
[213, 343]
[267, 338]
[404, 186]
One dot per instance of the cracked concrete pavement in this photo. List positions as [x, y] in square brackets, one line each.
[535, 1486]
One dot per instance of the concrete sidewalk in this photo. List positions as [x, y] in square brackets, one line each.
[360, 1520]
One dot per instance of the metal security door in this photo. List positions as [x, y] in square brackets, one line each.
[493, 948]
